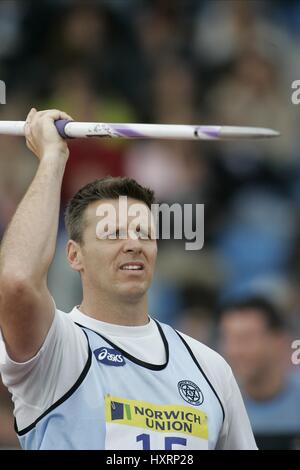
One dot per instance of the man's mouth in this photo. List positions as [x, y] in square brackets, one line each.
[132, 266]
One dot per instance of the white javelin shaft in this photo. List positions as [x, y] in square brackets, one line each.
[72, 129]
[12, 127]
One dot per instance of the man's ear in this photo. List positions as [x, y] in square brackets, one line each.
[74, 255]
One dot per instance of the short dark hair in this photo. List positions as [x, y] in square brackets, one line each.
[103, 188]
[267, 310]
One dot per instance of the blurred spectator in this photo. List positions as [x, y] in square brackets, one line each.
[256, 343]
[227, 30]
[253, 93]
[173, 90]
[169, 21]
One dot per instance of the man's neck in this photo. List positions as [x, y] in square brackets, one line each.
[126, 313]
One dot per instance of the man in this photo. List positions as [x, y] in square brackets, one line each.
[106, 376]
[257, 345]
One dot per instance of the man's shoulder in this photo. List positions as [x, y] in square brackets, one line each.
[64, 331]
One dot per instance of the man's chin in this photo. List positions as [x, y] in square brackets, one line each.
[133, 292]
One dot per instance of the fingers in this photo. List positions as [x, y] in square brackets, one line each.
[31, 113]
[29, 118]
[55, 114]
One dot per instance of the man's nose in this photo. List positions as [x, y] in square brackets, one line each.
[132, 245]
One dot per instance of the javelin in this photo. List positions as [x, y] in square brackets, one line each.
[72, 129]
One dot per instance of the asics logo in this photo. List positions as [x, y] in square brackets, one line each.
[109, 356]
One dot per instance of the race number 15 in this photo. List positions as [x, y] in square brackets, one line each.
[169, 441]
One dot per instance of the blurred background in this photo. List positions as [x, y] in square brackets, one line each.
[191, 62]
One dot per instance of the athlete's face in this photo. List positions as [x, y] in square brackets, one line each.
[118, 253]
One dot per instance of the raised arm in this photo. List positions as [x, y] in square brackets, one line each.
[28, 246]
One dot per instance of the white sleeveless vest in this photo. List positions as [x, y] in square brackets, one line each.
[120, 402]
